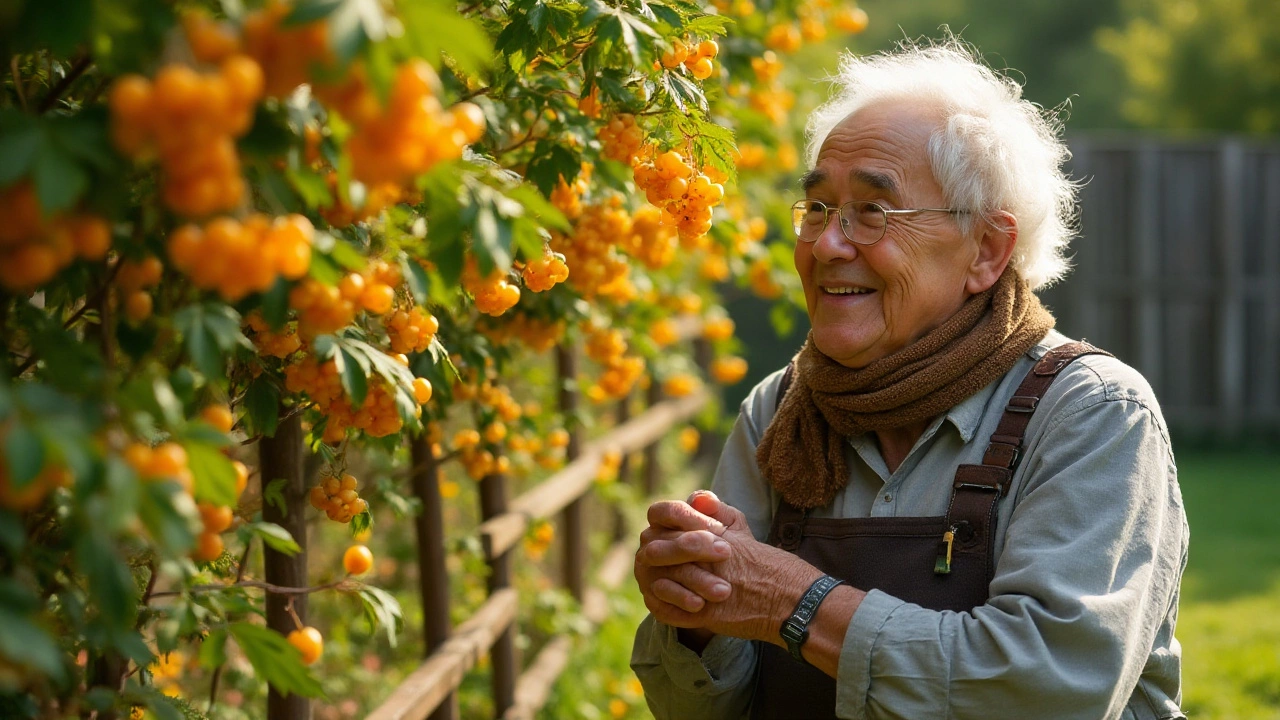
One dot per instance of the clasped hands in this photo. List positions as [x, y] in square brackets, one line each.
[699, 567]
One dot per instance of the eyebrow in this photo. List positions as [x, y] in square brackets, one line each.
[879, 181]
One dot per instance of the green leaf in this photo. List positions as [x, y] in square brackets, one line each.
[434, 27]
[166, 511]
[274, 495]
[213, 650]
[59, 179]
[269, 136]
[538, 207]
[27, 643]
[24, 453]
[354, 374]
[346, 255]
[210, 331]
[310, 186]
[20, 142]
[262, 406]
[307, 11]
[56, 26]
[382, 609]
[275, 660]
[275, 537]
[550, 162]
[275, 304]
[109, 581]
[360, 523]
[215, 477]
[416, 277]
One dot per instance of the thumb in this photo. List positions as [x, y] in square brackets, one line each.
[706, 502]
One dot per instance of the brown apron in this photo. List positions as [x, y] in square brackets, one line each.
[906, 557]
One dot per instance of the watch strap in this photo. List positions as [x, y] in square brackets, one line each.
[795, 629]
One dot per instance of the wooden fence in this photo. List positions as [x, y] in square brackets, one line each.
[1177, 272]
[518, 692]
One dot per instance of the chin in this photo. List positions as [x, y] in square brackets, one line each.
[848, 351]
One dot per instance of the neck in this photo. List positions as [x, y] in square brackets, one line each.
[896, 443]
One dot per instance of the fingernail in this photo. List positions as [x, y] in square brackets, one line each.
[720, 547]
[720, 588]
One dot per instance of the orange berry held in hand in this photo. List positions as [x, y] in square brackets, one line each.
[309, 642]
[357, 560]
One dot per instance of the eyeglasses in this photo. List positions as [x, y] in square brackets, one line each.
[861, 221]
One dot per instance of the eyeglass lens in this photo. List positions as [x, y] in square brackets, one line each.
[862, 222]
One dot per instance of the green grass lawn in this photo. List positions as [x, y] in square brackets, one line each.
[1229, 623]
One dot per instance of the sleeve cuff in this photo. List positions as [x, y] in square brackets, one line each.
[726, 662]
[853, 681]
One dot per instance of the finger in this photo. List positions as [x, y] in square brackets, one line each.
[669, 614]
[706, 502]
[672, 592]
[686, 547]
[699, 580]
[676, 515]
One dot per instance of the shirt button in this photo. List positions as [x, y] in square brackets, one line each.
[888, 497]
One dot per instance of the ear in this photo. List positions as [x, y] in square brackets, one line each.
[997, 238]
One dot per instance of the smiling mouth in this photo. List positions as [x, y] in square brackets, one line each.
[847, 290]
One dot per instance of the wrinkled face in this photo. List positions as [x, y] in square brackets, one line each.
[868, 301]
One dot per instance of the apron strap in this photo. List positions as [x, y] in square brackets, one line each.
[971, 515]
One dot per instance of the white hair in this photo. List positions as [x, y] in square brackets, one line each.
[994, 151]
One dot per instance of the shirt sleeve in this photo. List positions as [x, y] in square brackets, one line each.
[677, 682]
[1091, 563]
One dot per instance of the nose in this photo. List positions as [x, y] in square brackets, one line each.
[832, 245]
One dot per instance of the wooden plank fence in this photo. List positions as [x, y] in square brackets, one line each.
[519, 692]
[1177, 272]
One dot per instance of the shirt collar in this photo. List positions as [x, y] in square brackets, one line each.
[967, 415]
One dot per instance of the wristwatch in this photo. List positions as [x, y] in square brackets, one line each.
[795, 629]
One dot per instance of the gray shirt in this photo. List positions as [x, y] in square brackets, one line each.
[1090, 546]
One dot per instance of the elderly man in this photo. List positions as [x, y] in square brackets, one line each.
[943, 508]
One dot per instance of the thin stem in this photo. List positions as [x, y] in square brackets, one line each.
[523, 141]
[345, 585]
[17, 82]
[83, 63]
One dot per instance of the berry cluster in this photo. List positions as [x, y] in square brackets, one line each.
[717, 328]
[411, 330]
[132, 279]
[538, 539]
[477, 461]
[411, 133]
[685, 195]
[215, 520]
[696, 58]
[688, 439]
[191, 119]
[650, 241]
[760, 277]
[30, 496]
[663, 332]
[211, 41]
[545, 272]
[589, 251]
[493, 294]
[286, 53]
[610, 463]
[589, 104]
[377, 197]
[326, 308]
[608, 347]
[268, 342]
[167, 461]
[567, 198]
[377, 416]
[728, 370]
[785, 38]
[680, 385]
[238, 258]
[850, 18]
[33, 249]
[537, 334]
[338, 498]
[621, 138]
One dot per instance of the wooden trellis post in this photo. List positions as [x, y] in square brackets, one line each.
[280, 457]
[433, 576]
[575, 537]
[493, 502]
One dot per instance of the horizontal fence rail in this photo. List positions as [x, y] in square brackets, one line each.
[430, 691]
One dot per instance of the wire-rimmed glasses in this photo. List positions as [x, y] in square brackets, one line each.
[862, 222]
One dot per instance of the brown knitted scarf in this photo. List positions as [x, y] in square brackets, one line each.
[802, 451]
